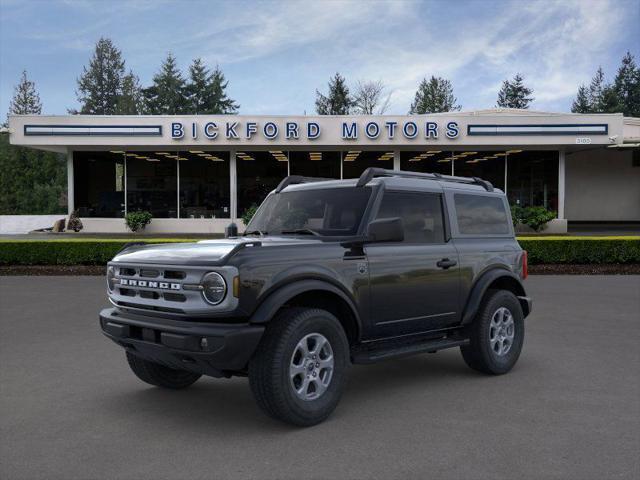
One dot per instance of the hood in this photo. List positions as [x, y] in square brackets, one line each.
[205, 252]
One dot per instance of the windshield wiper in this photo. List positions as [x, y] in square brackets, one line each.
[255, 232]
[301, 231]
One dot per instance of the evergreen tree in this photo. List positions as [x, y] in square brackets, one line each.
[581, 104]
[434, 95]
[31, 181]
[167, 95]
[25, 99]
[218, 100]
[130, 101]
[100, 85]
[596, 91]
[206, 91]
[514, 94]
[338, 101]
[627, 86]
[196, 89]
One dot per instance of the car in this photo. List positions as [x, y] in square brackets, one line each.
[328, 273]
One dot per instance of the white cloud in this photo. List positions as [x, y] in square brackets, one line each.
[556, 45]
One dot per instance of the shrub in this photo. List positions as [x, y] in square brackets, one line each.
[534, 217]
[249, 213]
[517, 215]
[537, 217]
[137, 220]
[74, 223]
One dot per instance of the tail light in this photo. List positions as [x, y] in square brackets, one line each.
[525, 264]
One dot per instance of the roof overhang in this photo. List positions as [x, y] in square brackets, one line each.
[228, 132]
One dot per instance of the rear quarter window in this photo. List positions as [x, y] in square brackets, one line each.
[481, 215]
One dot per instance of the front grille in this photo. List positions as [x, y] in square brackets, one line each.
[174, 297]
[153, 295]
[148, 294]
[146, 273]
[155, 287]
[174, 275]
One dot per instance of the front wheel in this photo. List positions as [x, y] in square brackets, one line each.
[298, 371]
[159, 375]
[496, 334]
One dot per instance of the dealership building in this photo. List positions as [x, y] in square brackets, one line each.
[197, 173]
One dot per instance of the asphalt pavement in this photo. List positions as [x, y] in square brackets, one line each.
[71, 409]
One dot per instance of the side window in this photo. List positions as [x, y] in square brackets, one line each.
[481, 215]
[421, 215]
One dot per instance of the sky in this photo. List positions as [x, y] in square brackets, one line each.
[276, 54]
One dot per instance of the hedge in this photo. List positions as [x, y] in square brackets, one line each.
[581, 250]
[78, 251]
[75, 251]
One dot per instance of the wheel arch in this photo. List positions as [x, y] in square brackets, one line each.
[312, 293]
[494, 279]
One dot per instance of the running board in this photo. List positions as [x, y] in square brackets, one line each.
[395, 350]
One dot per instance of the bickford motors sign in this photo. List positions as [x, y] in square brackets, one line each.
[294, 130]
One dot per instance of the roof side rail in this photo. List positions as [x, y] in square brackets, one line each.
[373, 172]
[297, 179]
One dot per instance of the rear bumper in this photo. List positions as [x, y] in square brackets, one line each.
[213, 349]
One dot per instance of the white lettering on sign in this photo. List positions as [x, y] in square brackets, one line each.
[583, 141]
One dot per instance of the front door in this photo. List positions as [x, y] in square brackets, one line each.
[414, 284]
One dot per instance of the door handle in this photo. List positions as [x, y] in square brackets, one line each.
[446, 263]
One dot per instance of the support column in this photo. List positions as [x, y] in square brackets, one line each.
[396, 159]
[506, 167]
[70, 183]
[561, 181]
[233, 186]
[177, 188]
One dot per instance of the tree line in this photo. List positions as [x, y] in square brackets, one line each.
[106, 88]
[435, 95]
[33, 181]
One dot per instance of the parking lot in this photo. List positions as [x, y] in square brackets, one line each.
[71, 409]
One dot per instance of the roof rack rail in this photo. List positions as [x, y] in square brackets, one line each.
[297, 179]
[373, 172]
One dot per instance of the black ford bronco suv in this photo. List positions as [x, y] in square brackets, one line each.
[328, 273]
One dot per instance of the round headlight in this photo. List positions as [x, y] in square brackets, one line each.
[111, 275]
[214, 288]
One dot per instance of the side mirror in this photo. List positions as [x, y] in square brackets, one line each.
[386, 230]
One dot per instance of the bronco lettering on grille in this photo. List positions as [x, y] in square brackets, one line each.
[129, 282]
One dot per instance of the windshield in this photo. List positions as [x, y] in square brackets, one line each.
[331, 211]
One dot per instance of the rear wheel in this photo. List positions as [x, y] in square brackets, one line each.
[159, 375]
[297, 374]
[496, 334]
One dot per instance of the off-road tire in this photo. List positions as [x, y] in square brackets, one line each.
[159, 375]
[478, 354]
[269, 375]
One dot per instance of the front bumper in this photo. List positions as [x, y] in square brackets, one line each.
[213, 349]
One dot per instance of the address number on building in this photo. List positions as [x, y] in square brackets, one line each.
[583, 141]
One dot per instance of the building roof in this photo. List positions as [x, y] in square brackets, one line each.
[512, 112]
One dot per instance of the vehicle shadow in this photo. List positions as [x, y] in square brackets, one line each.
[228, 405]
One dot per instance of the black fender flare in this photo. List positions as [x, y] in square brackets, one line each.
[481, 286]
[281, 295]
